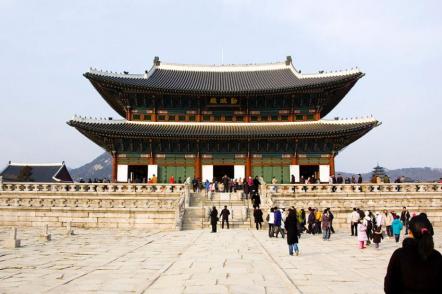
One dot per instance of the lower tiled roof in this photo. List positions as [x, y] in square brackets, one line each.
[207, 130]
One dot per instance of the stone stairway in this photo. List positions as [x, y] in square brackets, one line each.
[196, 216]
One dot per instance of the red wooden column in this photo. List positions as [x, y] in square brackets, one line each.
[151, 155]
[332, 165]
[114, 166]
[294, 160]
[198, 166]
[129, 113]
[248, 166]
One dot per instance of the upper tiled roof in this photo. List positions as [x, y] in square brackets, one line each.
[28, 172]
[236, 79]
[207, 130]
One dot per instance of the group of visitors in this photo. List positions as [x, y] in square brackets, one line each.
[214, 218]
[320, 222]
[285, 222]
[370, 227]
[226, 184]
[416, 267]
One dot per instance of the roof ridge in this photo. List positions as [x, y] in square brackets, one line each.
[35, 164]
[321, 121]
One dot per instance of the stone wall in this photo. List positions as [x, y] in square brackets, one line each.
[162, 206]
[93, 207]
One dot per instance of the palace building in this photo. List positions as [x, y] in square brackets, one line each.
[206, 121]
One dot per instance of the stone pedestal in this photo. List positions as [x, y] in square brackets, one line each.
[45, 236]
[69, 230]
[13, 242]
[10, 243]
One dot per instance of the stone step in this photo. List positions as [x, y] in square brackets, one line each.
[208, 225]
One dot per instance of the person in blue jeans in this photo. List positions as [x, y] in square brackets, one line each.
[396, 226]
[291, 226]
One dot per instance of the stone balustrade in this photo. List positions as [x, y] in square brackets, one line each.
[156, 206]
[364, 188]
[89, 188]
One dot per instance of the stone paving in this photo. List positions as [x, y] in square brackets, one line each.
[230, 261]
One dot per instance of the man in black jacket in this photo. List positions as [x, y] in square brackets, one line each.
[225, 217]
[405, 219]
[214, 219]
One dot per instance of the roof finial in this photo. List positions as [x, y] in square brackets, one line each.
[288, 60]
[156, 61]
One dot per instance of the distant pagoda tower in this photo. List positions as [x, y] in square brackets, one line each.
[207, 121]
[378, 171]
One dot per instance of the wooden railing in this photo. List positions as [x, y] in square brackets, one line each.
[353, 188]
[108, 188]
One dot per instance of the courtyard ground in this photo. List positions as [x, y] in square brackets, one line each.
[230, 261]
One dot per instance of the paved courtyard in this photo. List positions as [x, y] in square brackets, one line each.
[231, 261]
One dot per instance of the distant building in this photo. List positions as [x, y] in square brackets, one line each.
[30, 172]
[236, 120]
[378, 171]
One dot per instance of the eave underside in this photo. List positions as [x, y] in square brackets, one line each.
[241, 142]
[116, 93]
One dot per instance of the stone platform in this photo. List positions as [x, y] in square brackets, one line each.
[194, 261]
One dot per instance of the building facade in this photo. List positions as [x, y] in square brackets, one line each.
[236, 120]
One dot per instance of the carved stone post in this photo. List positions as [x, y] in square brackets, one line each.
[69, 230]
[13, 242]
[45, 236]
[1, 183]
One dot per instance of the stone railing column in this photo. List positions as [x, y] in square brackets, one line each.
[187, 195]
[1, 183]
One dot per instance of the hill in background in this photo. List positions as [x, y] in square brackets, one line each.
[101, 167]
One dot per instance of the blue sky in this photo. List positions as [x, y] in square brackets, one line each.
[46, 46]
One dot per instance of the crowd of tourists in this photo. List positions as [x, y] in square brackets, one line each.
[416, 267]
[371, 227]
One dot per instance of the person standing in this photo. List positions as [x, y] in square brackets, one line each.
[405, 219]
[331, 217]
[318, 220]
[369, 224]
[311, 222]
[417, 266]
[380, 221]
[325, 225]
[224, 217]
[257, 214]
[377, 236]
[354, 218]
[214, 219]
[396, 227]
[271, 221]
[291, 227]
[256, 200]
[277, 223]
[388, 222]
[207, 187]
[362, 235]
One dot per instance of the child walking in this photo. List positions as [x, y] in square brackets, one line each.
[362, 234]
[377, 236]
[396, 226]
